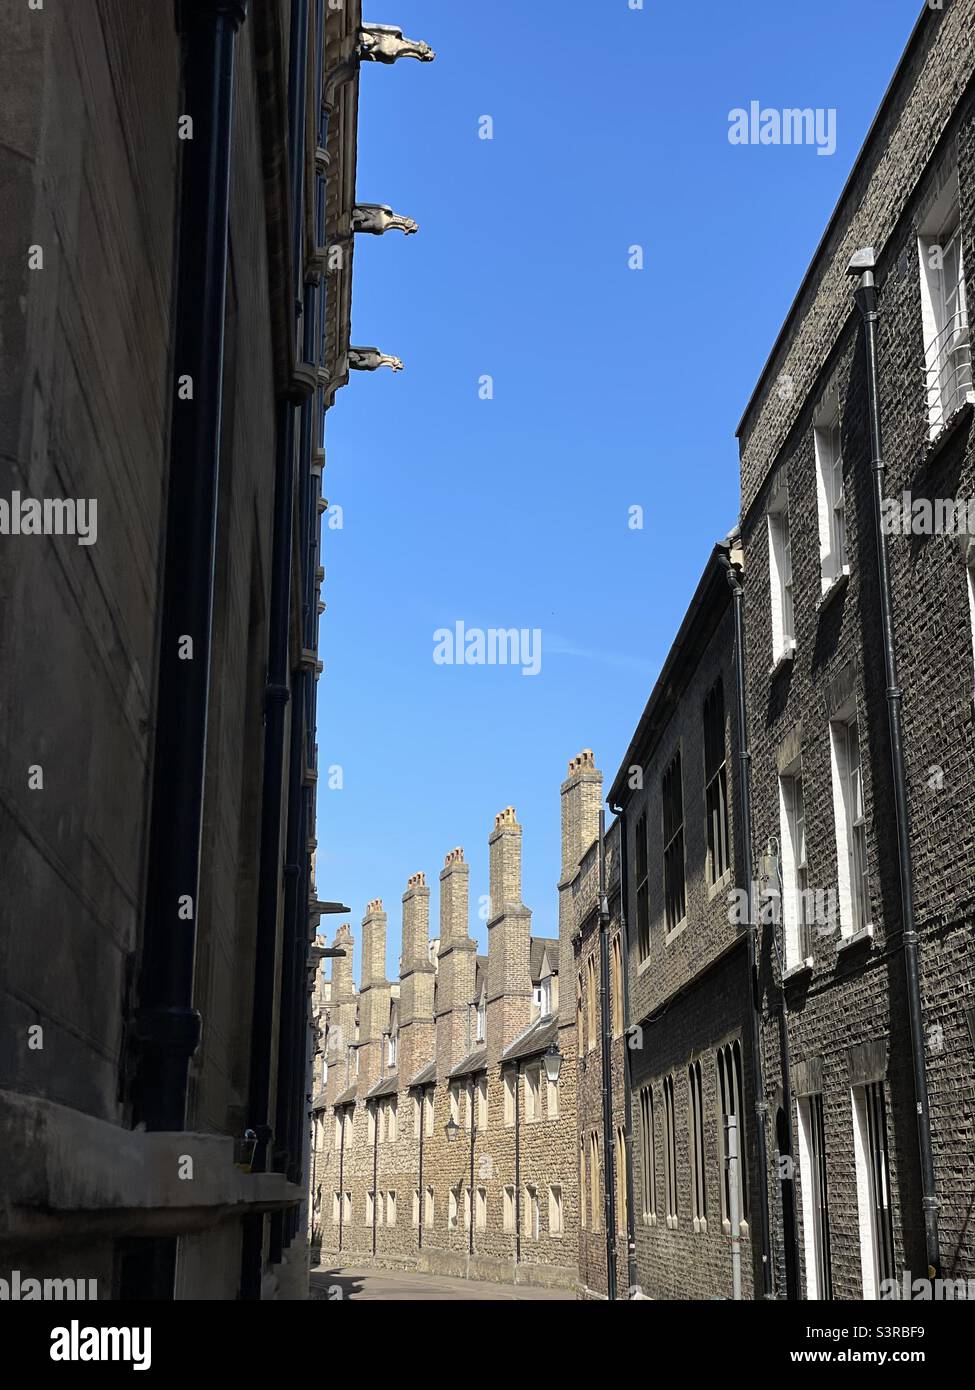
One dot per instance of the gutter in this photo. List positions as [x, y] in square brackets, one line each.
[852, 180]
[863, 264]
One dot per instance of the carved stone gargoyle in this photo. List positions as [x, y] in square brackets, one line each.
[369, 359]
[384, 43]
[377, 218]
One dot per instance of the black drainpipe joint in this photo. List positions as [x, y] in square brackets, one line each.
[169, 1032]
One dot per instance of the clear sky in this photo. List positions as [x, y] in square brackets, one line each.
[612, 388]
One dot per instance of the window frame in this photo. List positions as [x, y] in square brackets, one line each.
[648, 1154]
[674, 854]
[696, 1148]
[834, 554]
[716, 784]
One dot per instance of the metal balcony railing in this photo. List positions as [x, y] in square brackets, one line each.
[948, 373]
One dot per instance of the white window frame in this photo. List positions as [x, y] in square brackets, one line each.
[429, 1209]
[834, 558]
[482, 1103]
[868, 1195]
[796, 928]
[944, 310]
[781, 595]
[815, 1210]
[853, 888]
[648, 1154]
[480, 1209]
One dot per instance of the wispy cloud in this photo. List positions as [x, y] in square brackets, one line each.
[554, 645]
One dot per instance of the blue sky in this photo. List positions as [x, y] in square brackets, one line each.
[613, 388]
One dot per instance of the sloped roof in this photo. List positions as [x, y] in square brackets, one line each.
[388, 1086]
[425, 1075]
[474, 1061]
[535, 1039]
[348, 1096]
[538, 947]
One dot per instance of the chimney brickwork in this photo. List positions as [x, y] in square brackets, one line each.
[456, 965]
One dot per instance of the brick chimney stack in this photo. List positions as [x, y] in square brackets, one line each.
[456, 965]
[509, 986]
[374, 995]
[582, 797]
[341, 1033]
[417, 976]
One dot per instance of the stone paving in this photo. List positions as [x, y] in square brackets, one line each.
[336, 1284]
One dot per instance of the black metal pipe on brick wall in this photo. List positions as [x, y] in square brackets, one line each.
[755, 1016]
[606, 1060]
[624, 873]
[267, 981]
[167, 1028]
[863, 265]
[168, 1025]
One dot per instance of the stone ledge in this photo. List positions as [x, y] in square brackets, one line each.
[70, 1176]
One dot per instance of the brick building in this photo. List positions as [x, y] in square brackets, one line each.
[400, 1175]
[178, 220]
[836, 977]
[690, 1029]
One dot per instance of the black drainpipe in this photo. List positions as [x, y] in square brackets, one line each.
[168, 1027]
[518, 1163]
[341, 1176]
[375, 1171]
[419, 1233]
[863, 265]
[609, 1153]
[276, 697]
[758, 1070]
[620, 814]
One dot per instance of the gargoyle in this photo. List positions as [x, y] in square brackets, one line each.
[377, 218]
[384, 43]
[369, 359]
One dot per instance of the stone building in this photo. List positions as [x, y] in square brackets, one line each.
[591, 931]
[875, 1144]
[179, 214]
[445, 1132]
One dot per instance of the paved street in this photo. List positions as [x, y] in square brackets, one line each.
[421, 1288]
